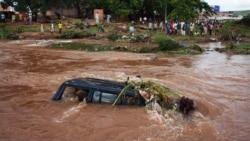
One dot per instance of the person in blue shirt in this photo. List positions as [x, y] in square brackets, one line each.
[132, 30]
[2, 17]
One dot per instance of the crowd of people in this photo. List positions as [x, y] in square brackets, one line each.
[183, 28]
[170, 27]
[188, 28]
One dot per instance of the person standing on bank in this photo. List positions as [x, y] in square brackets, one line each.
[97, 18]
[2, 17]
[87, 22]
[132, 30]
[60, 27]
[42, 30]
[13, 18]
[52, 28]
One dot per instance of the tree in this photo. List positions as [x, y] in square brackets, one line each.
[120, 7]
[183, 10]
[35, 6]
[79, 5]
[4, 5]
[30, 6]
[24, 5]
[175, 9]
[186, 10]
[154, 8]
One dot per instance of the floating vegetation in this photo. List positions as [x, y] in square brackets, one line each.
[235, 48]
[156, 94]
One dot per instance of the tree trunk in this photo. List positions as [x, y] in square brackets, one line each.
[79, 9]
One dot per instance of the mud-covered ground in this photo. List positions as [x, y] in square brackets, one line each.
[30, 74]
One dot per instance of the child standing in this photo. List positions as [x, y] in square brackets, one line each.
[52, 28]
[60, 27]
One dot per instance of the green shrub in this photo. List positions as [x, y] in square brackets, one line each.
[81, 46]
[93, 29]
[31, 28]
[246, 21]
[141, 38]
[120, 48]
[113, 36]
[19, 29]
[73, 34]
[225, 31]
[5, 32]
[78, 23]
[233, 28]
[145, 49]
[165, 44]
[196, 47]
[13, 36]
[231, 45]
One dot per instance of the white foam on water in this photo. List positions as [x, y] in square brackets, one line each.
[70, 112]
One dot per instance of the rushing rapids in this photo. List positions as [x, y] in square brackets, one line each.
[30, 75]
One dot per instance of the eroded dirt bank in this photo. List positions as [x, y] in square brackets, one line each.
[29, 75]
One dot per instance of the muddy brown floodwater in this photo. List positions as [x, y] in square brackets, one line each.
[29, 76]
